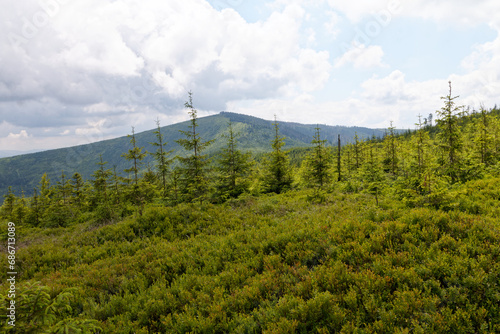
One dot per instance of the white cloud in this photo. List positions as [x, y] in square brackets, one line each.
[20, 135]
[93, 60]
[362, 57]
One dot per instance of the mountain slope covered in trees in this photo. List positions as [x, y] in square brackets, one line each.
[25, 171]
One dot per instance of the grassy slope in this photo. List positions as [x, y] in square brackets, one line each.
[277, 263]
[24, 172]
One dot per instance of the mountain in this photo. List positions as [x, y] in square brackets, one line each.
[11, 153]
[24, 172]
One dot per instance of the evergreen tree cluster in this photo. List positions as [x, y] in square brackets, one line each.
[417, 166]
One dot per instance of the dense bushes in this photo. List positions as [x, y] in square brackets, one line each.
[277, 264]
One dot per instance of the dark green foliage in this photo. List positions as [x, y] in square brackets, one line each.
[234, 169]
[161, 158]
[135, 155]
[100, 201]
[194, 178]
[8, 204]
[277, 175]
[77, 190]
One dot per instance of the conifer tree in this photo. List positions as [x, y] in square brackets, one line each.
[101, 179]
[45, 194]
[63, 189]
[233, 167]
[391, 148]
[450, 135]
[372, 174]
[277, 173]
[420, 144]
[357, 151]
[21, 210]
[8, 204]
[116, 186]
[194, 179]
[136, 155]
[35, 213]
[483, 137]
[318, 163]
[77, 189]
[101, 182]
[161, 157]
[339, 157]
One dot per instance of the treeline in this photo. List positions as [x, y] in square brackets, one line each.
[417, 166]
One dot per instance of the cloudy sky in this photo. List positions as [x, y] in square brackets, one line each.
[74, 72]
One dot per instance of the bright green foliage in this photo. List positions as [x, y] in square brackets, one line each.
[194, 179]
[278, 263]
[277, 172]
[316, 168]
[38, 312]
[45, 192]
[234, 168]
[372, 174]
[391, 160]
[423, 162]
[483, 139]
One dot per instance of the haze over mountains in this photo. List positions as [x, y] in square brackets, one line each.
[24, 172]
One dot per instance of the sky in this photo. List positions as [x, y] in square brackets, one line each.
[76, 72]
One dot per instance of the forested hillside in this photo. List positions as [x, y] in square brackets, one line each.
[392, 235]
[24, 172]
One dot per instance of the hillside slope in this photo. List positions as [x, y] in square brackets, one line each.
[275, 264]
[24, 172]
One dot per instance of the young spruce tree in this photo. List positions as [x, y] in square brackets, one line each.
[450, 136]
[136, 155]
[233, 167]
[100, 200]
[277, 174]
[161, 157]
[194, 180]
[317, 165]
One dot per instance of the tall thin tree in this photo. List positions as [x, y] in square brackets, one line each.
[277, 175]
[194, 172]
[161, 157]
[450, 135]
